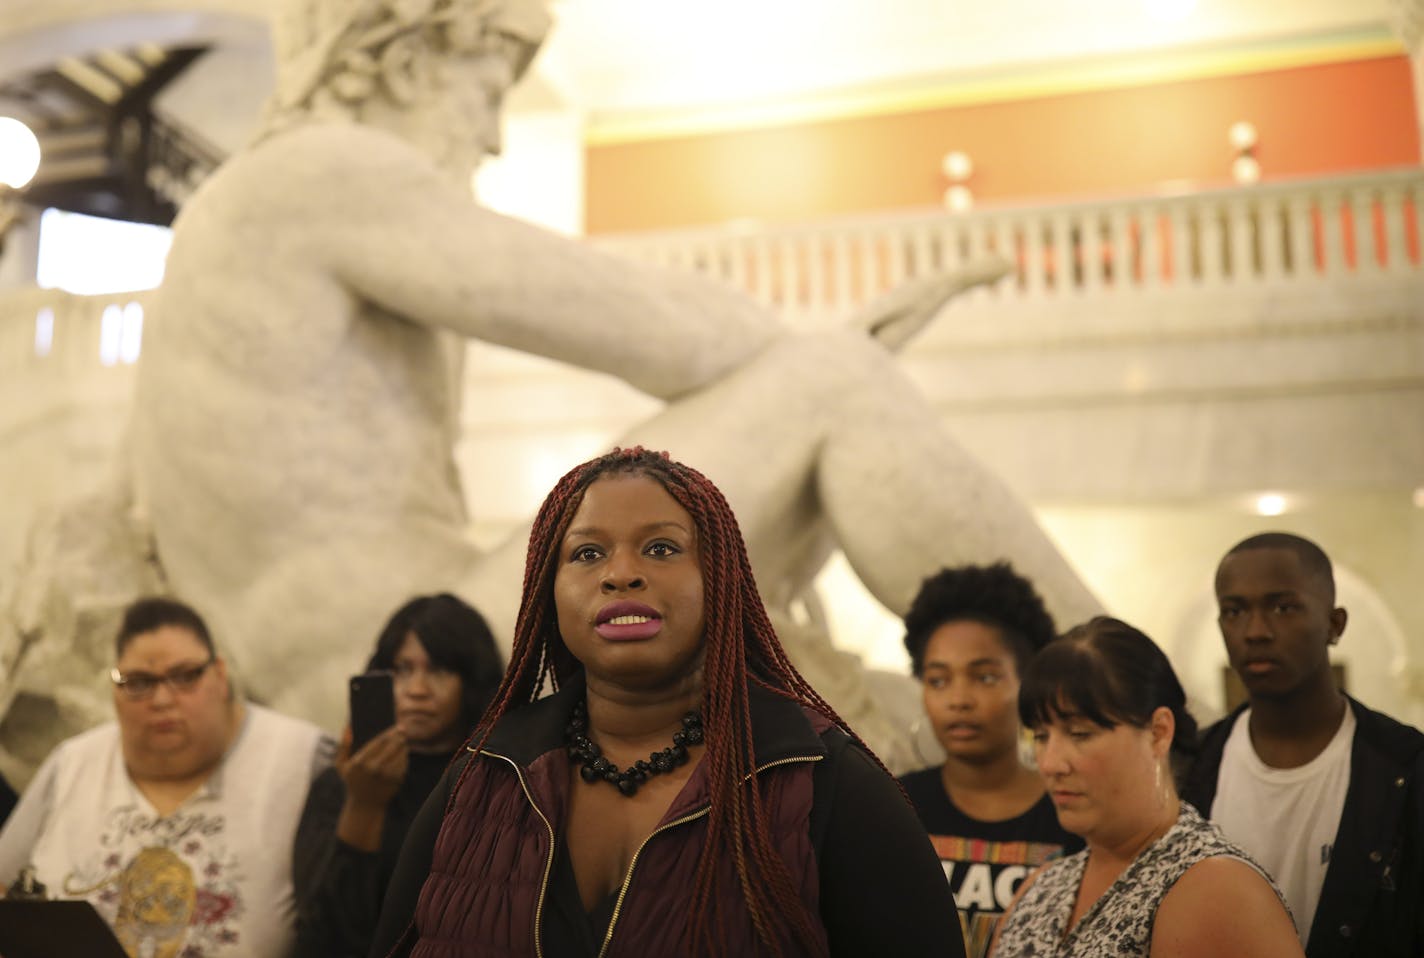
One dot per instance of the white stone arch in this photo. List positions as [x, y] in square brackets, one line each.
[1374, 651]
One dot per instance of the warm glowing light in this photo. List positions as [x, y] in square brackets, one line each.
[1246, 169]
[958, 166]
[19, 153]
[1242, 135]
[1419, 497]
[1170, 11]
[958, 199]
[1270, 504]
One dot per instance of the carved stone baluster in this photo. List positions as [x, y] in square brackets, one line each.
[1396, 243]
[1270, 233]
[1362, 215]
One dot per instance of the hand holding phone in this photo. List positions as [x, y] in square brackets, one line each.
[373, 707]
[372, 762]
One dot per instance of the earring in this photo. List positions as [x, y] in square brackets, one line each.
[1027, 758]
[1163, 794]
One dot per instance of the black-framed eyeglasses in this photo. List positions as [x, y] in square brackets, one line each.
[140, 685]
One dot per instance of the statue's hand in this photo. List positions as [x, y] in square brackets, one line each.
[895, 317]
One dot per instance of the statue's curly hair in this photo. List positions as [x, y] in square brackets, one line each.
[334, 55]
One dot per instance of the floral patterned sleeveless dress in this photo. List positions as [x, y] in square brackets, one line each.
[1119, 924]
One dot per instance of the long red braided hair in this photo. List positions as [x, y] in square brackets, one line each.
[740, 646]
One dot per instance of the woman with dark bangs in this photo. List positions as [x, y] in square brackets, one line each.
[683, 790]
[1155, 879]
[446, 667]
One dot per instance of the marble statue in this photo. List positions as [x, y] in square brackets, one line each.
[291, 445]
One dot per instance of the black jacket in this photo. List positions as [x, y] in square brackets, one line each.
[338, 888]
[861, 827]
[1372, 902]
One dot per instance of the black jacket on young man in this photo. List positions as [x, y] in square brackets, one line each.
[1372, 901]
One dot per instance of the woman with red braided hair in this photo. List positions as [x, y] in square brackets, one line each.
[683, 790]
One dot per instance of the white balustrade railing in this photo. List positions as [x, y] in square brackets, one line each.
[1291, 232]
[1227, 241]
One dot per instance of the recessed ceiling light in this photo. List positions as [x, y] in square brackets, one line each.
[1270, 504]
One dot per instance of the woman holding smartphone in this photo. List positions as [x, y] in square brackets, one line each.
[445, 668]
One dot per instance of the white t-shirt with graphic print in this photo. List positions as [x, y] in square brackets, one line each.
[213, 879]
[1286, 818]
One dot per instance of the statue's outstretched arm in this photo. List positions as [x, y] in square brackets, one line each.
[398, 233]
[898, 315]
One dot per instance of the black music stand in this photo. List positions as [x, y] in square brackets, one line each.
[44, 929]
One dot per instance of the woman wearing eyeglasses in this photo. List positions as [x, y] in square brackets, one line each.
[446, 669]
[175, 822]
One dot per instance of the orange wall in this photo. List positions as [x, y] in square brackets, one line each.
[1311, 120]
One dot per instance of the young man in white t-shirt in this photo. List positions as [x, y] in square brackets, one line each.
[1325, 793]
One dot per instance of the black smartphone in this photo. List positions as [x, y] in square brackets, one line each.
[373, 706]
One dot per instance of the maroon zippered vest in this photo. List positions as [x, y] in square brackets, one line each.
[491, 868]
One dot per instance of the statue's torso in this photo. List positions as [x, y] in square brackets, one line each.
[268, 385]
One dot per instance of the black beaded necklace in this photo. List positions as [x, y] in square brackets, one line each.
[596, 767]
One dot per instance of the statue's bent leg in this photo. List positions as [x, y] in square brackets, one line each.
[906, 499]
[825, 428]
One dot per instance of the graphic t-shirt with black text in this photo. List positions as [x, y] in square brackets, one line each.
[984, 862]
